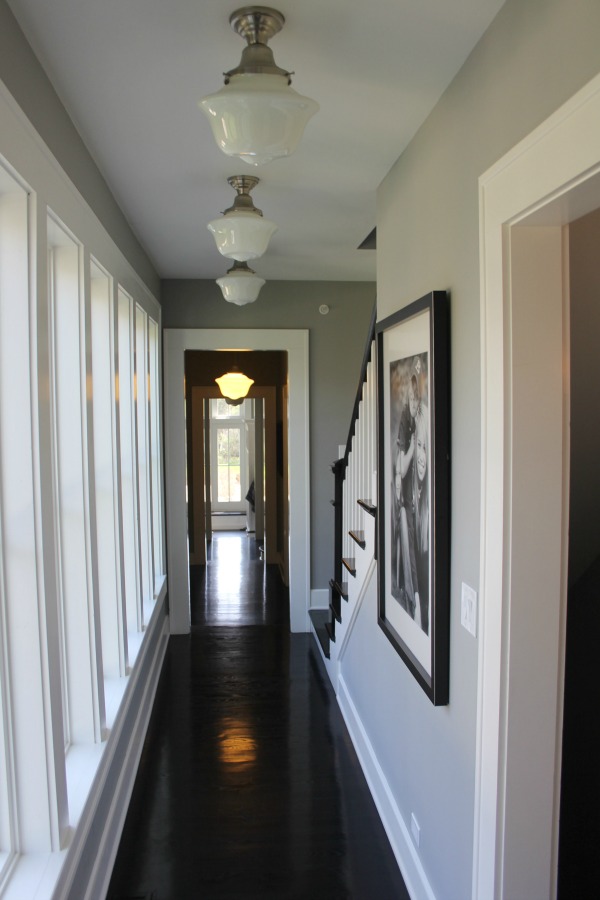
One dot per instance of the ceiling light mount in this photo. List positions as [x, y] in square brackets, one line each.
[243, 184]
[257, 25]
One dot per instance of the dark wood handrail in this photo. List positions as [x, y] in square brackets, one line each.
[340, 465]
[359, 391]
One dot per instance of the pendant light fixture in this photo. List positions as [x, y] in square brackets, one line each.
[257, 116]
[241, 285]
[242, 233]
[234, 385]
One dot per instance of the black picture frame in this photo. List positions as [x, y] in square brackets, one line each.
[413, 506]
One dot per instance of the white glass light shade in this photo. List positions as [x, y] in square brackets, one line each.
[240, 287]
[234, 385]
[258, 117]
[242, 235]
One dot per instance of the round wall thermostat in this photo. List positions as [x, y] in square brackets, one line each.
[323, 309]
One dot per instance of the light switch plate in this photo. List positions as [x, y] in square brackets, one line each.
[468, 609]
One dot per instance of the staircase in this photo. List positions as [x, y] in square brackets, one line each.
[355, 490]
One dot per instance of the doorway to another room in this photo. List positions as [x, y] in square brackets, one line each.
[287, 433]
[527, 199]
[237, 454]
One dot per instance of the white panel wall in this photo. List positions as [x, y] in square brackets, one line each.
[80, 465]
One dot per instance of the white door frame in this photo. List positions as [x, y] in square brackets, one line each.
[295, 343]
[546, 181]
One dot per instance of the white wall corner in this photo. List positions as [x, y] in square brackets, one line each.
[319, 598]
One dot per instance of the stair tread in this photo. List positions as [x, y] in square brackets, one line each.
[368, 506]
[320, 618]
[350, 564]
[359, 537]
[340, 587]
[336, 613]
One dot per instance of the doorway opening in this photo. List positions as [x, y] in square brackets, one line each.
[237, 456]
[579, 831]
[294, 342]
[526, 200]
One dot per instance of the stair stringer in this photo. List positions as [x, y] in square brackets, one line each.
[365, 563]
[347, 624]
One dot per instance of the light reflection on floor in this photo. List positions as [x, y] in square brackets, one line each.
[232, 587]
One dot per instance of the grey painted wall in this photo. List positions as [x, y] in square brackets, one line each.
[532, 59]
[336, 345]
[26, 80]
[534, 56]
[584, 523]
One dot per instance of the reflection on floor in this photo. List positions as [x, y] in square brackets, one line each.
[249, 786]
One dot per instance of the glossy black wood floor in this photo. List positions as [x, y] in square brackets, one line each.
[249, 786]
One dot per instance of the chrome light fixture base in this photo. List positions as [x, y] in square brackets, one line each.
[257, 25]
[243, 202]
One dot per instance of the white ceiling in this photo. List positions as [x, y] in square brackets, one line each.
[131, 72]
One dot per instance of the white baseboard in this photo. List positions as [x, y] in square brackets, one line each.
[90, 858]
[396, 829]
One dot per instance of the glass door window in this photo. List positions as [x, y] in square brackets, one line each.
[228, 453]
[229, 487]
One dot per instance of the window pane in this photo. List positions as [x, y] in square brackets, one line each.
[143, 452]
[223, 446]
[155, 449]
[234, 447]
[104, 413]
[235, 493]
[127, 451]
[228, 462]
[84, 714]
[223, 483]
[220, 409]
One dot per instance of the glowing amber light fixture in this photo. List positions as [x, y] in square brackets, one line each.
[234, 385]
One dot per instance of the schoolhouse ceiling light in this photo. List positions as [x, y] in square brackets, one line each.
[242, 233]
[257, 116]
[241, 284]
[234, 385]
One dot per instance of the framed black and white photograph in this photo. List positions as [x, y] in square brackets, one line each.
[414, 488]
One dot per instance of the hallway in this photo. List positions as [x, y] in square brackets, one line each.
[248, 785]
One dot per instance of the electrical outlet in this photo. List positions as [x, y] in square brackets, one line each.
[468, 609]
[414, 827]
